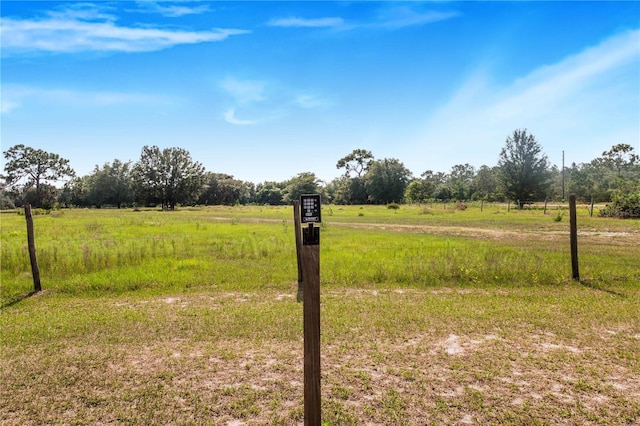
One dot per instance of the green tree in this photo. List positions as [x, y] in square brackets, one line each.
[459, 181]
[346, 190]
[46, 196]
[111, 184]
[167, 177]
[357, 162]
[436, 185]
[352, 187]
[223, 189]
[74, 192]
[623, 160]
[416, 192]
[6, 203]
[386, 181]
[616, 172]
[524, 169]
[555, 183]
[303, 183]
[270, 193]
[9, 198]
[621, 169]
[485, 184]
[587, 181]
[37, 169]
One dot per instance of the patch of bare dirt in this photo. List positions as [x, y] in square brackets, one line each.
[618, 238]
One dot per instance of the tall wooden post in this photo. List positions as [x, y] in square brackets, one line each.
[31, 241]
[310, 265]
[311, 308]
[574, 237]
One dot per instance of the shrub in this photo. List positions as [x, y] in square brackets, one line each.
[623, 206]
[426, 210]
[393, 206]
[6, 203]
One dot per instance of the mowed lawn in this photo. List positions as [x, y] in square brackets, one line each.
[431, 314]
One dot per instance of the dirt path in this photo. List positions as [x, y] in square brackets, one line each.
[619, 238]
[616, 238]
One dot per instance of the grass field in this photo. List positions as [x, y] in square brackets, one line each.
[430, 315]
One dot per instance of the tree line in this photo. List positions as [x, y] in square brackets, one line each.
[170, 177]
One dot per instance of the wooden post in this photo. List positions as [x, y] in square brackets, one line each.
[298, 230]
[545, 206]
[591, 209]
[35, 270]
[311, 320]
[509, 206]
[574, 237]
[481, 205]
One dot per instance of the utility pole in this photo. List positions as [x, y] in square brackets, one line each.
[563, 174]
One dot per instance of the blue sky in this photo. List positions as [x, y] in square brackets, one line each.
[266, 90]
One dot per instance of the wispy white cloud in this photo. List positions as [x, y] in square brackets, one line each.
[267, 100]
[16, 96]
[83, 11]
[7, 106]
[294, 21]
[246, 94]
[230, 117]
[387, 17]
[309, 101]
[244, 91]
[406, 16]
[592, 96]
[171, 10]
[578, 76]
[90, 29]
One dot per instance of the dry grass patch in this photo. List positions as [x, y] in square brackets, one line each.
[389, 356]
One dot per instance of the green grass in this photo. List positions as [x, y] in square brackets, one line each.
[442, 317]
[98, 251]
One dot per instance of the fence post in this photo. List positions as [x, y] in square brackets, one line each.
[35, 270]
[574, 237]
